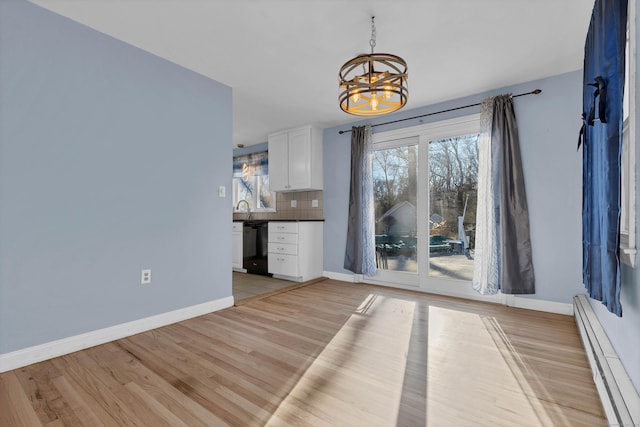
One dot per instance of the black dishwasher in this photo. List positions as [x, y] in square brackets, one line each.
[255, 238]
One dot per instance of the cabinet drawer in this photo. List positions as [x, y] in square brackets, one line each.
[283, 227]
[288, 238]
[286, 265]
[283, 248]
[237, 226]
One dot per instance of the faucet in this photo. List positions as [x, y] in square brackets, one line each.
[248, 208]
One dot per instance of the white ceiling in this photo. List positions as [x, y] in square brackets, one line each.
[282, 57]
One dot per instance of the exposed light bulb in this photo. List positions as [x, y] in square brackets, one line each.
[374, 102]
[387, 90]
[355, 97]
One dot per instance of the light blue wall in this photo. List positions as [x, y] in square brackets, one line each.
[548, 125]
[110, 161]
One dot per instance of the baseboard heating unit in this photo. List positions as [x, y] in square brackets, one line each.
[619, 397]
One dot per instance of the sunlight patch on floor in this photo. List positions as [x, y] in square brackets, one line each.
[466, 376]
[358, 366]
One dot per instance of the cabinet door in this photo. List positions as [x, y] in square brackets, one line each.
[284, 265]
[279, 162]
[299, 159]
[236, 253]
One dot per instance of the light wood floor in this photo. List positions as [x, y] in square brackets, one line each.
[250, 285]
[327, 354]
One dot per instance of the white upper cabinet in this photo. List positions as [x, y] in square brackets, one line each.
[295, 160]
[278, 162]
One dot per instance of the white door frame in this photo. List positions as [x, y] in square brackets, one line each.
[423, 134]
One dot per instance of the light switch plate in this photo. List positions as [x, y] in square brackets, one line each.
[222, 191]
[294, 203]
[314, 203]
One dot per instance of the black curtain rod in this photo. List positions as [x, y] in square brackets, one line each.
[533, 92]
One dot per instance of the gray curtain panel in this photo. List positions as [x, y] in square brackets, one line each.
[360, 256]
[503, 259]
[517, 275]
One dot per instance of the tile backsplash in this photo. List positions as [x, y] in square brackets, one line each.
[303, 209]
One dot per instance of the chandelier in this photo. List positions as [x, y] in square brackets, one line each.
[380, 88]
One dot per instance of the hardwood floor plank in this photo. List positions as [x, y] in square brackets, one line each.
[172, 369]
[166, 415]
[15, 407]
[325, 354]
[103, 400]
[87, 414]
[128, 370]
[37, 382]
[135, 401]
[234, 390]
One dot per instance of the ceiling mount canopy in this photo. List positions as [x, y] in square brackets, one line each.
[373, 84]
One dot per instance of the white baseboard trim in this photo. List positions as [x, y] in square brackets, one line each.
[351, 278]
[538, 305]
[508, 300]
[27, 356]
[619, 398]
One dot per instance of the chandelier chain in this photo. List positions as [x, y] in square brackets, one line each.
[380, 88]
[372, 41]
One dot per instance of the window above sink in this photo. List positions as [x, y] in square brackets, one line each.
[251, 183]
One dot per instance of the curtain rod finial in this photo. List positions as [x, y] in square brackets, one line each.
[537, 91]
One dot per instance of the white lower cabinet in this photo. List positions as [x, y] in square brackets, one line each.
[236, 247]
[295, 250]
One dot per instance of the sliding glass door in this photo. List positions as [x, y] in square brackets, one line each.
[453, 192]
[425, 192]
[395, 186]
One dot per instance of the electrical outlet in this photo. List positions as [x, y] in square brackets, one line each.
[294, 203]
[314, 203]
[145, 277]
